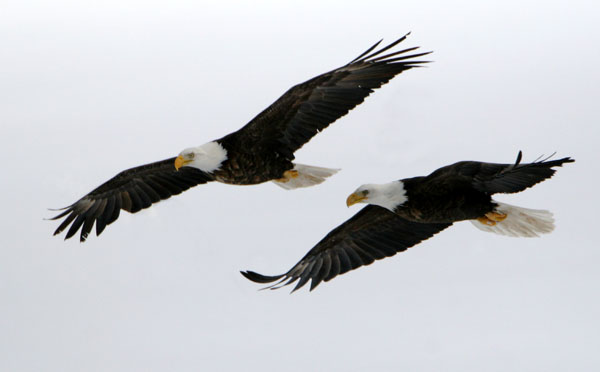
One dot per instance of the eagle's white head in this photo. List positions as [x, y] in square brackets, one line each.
[387, 195]
[207, 157]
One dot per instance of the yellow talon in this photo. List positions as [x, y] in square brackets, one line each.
[288, 175]
[490, 218]
[486, 221]
[495, 216]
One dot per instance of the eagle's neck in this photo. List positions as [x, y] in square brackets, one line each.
[388, 195]
[209, 157]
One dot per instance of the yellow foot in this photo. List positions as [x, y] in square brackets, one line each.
[495, 216]
[486, 221]
[288, 175]
[491, 218]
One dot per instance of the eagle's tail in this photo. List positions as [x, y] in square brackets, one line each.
[517, 221]
[304, 176]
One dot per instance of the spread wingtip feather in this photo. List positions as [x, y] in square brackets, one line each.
[259, 278]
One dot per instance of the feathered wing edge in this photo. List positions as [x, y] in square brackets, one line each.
[311, 106]
[372, 234]
[131, 190]
[518, 177]
[377, 57]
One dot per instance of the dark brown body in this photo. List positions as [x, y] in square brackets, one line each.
[248, 165]
[445, 200]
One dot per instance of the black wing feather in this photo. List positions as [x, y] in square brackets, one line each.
[372, 234]
[131, 190]
[309, 107]
[503, 178]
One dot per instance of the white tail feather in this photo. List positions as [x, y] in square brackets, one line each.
[520, 221]
[307, 176]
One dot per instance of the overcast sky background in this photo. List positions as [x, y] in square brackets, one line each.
[88, 89]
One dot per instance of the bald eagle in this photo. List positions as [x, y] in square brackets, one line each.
[261, 151]
[403, 213]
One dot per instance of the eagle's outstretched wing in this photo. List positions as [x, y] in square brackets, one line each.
[371, 234]
[504, 178]
[131, 190]
[308, 108]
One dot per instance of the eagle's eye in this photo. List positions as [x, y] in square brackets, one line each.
[191, 155]
[365, 192]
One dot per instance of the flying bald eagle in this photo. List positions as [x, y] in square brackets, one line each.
[403, 213]
[261, 151]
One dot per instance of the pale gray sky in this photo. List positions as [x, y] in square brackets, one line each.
[88, 89]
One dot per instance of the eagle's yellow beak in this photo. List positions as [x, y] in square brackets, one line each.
[180, 162]
[355, 198]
